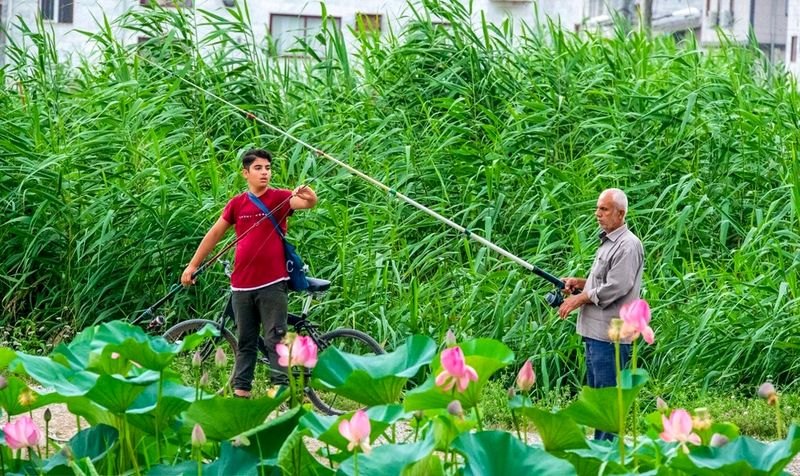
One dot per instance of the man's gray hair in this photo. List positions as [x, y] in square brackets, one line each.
[619, 198]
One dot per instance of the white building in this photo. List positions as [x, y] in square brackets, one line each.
[284, 19]
[792, 33]
[776, 23]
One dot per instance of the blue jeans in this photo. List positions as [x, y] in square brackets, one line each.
[601, 369]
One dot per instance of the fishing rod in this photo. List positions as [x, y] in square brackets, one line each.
[553, 298]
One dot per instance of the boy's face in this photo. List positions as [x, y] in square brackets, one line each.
[258, 174]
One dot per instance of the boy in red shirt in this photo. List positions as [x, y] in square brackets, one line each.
[259, 280]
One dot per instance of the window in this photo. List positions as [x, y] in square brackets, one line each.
[793, 51]
[289, 31]
[62, 8]
[366, 23]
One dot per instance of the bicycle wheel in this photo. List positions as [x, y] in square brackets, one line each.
[219, 377]
[352, 342]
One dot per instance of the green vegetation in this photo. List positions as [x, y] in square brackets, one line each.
[112, 170]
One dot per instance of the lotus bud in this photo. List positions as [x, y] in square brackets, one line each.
[197, 359]
[701, 421]
[241, 440]
[455, 409]
[204, 379]
[661, 405]
[526, 377]
[768, 393]
[419, 415]
[450, 338]
[615, 330]
[198, 435]
[47, 415]
[3, 382]
[220, 358]
[718, 440]
[512, 392]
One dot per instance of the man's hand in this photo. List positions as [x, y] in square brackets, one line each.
[186, 277]
[572, 284]
[572, 303]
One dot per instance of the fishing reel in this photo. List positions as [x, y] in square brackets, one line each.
[554, 298]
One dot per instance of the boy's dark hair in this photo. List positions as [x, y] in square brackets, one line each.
[251, 155]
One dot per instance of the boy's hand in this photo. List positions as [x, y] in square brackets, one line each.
[186, 277]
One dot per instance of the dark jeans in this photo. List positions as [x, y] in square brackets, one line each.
[264, 307]
[601, 369]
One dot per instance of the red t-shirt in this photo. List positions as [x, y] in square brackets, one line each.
[259, 259]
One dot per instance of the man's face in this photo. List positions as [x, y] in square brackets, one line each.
[609, 217]
[259, 173]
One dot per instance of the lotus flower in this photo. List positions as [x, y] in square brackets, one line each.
[636, 318]
[297, 351]
[678, 427]
[22, 433]
[356, 431]
[456, 372]
[526, 378]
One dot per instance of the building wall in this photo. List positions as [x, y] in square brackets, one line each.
[793, 31]
[88, 12]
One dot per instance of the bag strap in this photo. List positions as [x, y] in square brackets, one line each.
[257, 201]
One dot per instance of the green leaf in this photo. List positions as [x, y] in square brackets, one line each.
[558, 431]
[151, 352]
[9, 397]
[430, 466]
[223, 418]
[94, 443]
[294, 458]
[389, 460]
[599, 408]
[499, 453]
[145, 415]
[743, 456]
[372, 379]
[6, 356]
[116, 393]
[486, 356]
[65, 381]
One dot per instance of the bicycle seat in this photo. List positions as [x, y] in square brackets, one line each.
[317, 285]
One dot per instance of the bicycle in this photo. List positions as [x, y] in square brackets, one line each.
[347, 340]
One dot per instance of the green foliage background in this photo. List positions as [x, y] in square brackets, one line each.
[111, 170]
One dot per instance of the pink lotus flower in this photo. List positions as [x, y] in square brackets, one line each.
[526, 377]
[636, 319]
[456, 371]
[678, 427]
[22, 433]
[298, 351]
[356, 431]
